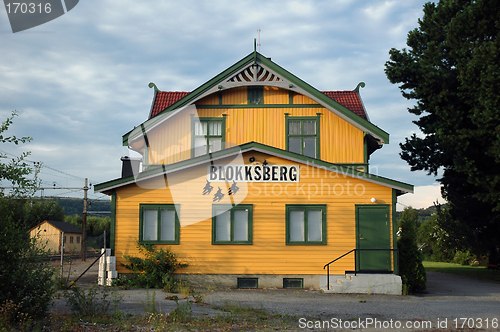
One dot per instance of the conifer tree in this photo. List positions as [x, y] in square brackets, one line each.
[452, 69]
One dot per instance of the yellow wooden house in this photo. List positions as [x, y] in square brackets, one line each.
[257, 179]
[49, 235]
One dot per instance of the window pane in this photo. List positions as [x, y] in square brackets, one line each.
[167, 225]
[310, 147]
[215, 144]
[294, 145]
[149, 225]
[314, 225]
[296, 225]
[240, 225]
[215, 128]
[309, 127]
[294, 128]
[223, 227]
[200, 128]
[200, 146]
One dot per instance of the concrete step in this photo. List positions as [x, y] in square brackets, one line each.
[363, 284]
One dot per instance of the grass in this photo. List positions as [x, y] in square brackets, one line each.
[234, 317]
[475, 272]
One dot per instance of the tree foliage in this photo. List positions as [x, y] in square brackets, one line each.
[36, 211]
[26, 279]
[452, 69]
[436, 243]
[15, 171]
[26, 284]
[411, 269]
[95, 225]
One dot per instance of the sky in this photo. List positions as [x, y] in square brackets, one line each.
[80, 81]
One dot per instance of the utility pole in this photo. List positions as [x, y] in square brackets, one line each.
[84, 220]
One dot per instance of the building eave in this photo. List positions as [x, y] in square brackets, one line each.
[163, 170]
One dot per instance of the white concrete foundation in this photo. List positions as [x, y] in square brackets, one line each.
[363, 283]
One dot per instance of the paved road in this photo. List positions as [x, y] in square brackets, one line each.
[448, 299]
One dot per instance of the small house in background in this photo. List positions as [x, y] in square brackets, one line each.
[49, 233]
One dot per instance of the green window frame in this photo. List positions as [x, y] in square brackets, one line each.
[232, 224]
[255, 95]
[159, 223]
[305, 224]
[303, 135]
[207, 135]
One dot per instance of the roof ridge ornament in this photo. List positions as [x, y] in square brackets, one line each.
[152, 85]
[255, 51]
[360, 84]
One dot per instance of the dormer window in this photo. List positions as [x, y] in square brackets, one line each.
[207, 135]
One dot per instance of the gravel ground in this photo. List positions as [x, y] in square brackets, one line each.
[448, 299]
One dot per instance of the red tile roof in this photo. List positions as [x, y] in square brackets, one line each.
[164, 99]
[349, 99]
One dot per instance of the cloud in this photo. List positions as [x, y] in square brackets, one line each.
[80, 81]
[423, 197]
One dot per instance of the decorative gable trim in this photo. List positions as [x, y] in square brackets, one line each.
[255, 73]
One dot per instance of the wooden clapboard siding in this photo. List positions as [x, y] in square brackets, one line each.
[236, 96]
[274, 95]
[340, 142]
[269, 253]
[301, 99]
[171, 142]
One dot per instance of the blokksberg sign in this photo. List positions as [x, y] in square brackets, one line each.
[25, 15]
[253, 173]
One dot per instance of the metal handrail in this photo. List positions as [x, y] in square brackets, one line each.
[355, 262]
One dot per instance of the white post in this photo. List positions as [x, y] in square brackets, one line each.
[62, 253]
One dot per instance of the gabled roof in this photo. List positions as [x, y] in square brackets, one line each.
[349, 99]
[163, 170]
[65, 227]
[255, 69]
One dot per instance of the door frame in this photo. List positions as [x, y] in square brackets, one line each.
[387, 208]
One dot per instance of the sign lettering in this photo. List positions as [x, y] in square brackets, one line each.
[253, 173]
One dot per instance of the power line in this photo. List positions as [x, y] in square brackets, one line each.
[42, 164]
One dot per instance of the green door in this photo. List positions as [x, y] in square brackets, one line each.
[373, 232]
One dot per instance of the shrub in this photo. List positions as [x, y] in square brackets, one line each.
[155, 269]
[26, 278]
[464, 258]
[411, 269]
